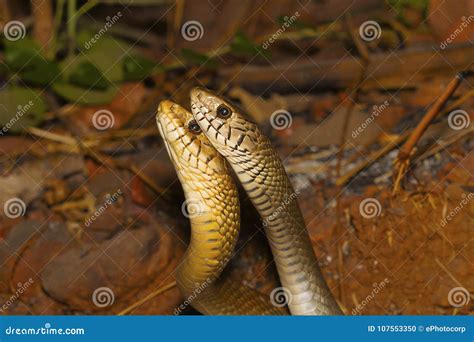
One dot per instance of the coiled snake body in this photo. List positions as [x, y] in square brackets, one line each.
[213, 208]
[261, 172]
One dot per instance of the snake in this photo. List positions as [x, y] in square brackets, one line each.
[261, 172]
[212, 205]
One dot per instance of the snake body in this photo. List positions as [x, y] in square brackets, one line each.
[261, 172]
[214, 212]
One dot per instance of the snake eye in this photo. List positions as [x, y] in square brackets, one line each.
[223, 112]
[194, 127]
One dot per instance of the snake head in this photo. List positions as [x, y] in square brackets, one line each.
[223, 123]
[189, 149]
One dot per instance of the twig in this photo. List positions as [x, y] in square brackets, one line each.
[147, 298]
[441, 146]
[64, 139]
[364, 53]
[403, 158]
[374, 156]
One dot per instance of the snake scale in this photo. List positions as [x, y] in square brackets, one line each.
[214, 211]
[200, 146]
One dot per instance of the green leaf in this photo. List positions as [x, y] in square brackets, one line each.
[20, 108]
[25, 57]
[193, 57]
[80, 95]
[83, 93]
[88, 76]
[106, 53]
[17, 56]
[41, 72]
[137, 68]
[243, 45]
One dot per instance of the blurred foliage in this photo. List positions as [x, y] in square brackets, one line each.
[193, 57]
[20, 108]
[401, 5]
[242, 45]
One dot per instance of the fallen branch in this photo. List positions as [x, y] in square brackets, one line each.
[389, 70]
[376, 155]
[403, 158]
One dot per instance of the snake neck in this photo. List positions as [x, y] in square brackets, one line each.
[265, 180]
[215, 224]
